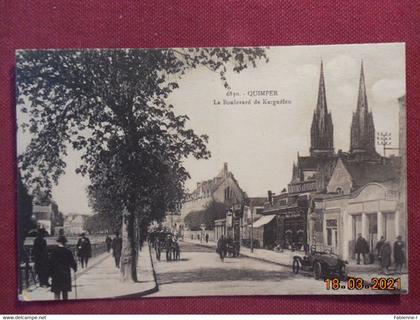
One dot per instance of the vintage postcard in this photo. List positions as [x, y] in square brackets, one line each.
[212, 171]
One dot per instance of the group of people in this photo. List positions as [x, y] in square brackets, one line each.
[58, 262]
[384, 250]
[162, 239]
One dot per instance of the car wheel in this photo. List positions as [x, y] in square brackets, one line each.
[295, 266]
[317, 270]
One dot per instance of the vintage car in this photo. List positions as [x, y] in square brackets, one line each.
[321, 262]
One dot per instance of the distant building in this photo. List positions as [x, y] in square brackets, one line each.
[74, 223]
[46, 215]
[223, 189]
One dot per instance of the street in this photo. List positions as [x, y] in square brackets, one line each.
[201, 272]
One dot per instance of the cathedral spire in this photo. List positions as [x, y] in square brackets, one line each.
[362, 137]
[362, 105]
[322, 141]
[322, 99]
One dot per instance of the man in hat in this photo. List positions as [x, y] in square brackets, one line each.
[222, 247]
[362, 248]
[61, 261]
[116, 249]
[399, 254]
[84, 250]
[40, 253]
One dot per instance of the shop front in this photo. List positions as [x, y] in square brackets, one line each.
[264, 231]
[372, 211]
[291, 229]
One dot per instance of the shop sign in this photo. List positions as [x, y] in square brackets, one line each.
[301, 187]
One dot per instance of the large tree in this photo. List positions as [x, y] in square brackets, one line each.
[111, 105]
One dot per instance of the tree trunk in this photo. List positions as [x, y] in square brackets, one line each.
[129, 249]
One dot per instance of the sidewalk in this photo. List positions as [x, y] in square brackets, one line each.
[102, 280]
[285, 258]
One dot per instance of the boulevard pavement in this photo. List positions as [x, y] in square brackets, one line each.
[102, 280]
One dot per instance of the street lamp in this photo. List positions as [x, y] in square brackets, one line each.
[383, 139]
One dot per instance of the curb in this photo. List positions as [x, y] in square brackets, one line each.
[245, 255]
[148, 291]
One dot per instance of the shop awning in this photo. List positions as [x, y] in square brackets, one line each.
[263, 220]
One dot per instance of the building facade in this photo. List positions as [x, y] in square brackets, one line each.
[222, 189]
[74, 223]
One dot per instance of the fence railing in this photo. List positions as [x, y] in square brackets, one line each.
[27, 274]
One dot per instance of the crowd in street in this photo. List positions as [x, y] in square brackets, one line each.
[58, 261]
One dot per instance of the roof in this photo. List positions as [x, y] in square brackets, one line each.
[364, 172]
[256, 201]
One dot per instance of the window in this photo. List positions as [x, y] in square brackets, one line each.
[339, 190]
[329, 236]
[228, 193]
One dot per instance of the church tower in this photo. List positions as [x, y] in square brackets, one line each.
[322, 139]
[362, 139]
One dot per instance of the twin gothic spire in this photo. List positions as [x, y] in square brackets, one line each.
[362, 138]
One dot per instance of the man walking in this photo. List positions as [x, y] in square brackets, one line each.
[399, 254]
[61, 261]
[207, 238]
[362, 247]
[385, 257]
[108, 242]
[379, 245]
[222, 247]
[116, 249]
[40, 253]
[84, 250]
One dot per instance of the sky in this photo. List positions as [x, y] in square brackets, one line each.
[261, 142]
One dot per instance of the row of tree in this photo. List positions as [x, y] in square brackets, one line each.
[112, 106]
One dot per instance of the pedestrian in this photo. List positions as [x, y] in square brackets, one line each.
[84, 250]
[108, 242]
[362, 248]
[40, 253]
[399, 254]
[379, 245]
[207, 238]
[385, 257]
[61, 261]
[116, 249]
[222, 247]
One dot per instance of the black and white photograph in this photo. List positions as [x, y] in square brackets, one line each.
[211, 171]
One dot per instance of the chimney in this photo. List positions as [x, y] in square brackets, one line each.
[270, 196]
[225, 169]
